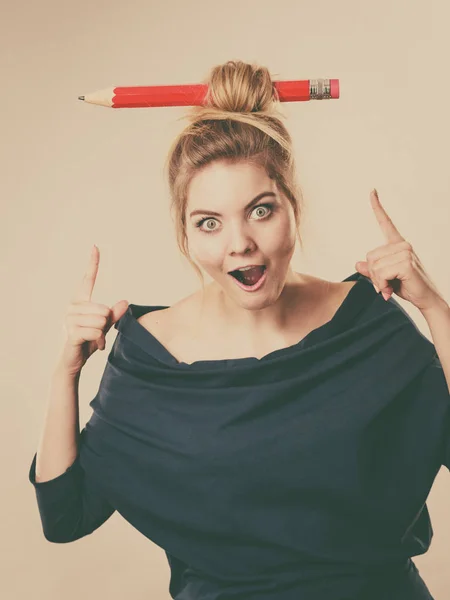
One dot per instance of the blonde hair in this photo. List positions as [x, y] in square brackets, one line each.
[239, 122]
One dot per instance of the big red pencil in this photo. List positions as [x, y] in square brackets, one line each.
[194, 94]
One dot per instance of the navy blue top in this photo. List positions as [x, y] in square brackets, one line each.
[302, 474]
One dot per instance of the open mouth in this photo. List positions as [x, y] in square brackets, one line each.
[250, 279]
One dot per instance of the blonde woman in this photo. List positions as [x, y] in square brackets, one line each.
[275, 433]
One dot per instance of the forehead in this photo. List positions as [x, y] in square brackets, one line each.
[221, 182]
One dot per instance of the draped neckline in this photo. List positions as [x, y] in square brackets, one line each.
[129, 326]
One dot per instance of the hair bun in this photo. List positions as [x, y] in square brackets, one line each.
[237, 88]
[240, 87]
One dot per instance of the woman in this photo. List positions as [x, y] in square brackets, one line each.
[275, 433]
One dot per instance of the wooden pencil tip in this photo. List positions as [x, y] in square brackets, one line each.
[80, 97]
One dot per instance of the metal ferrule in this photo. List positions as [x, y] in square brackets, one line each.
[319, 89]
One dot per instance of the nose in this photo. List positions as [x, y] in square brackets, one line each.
[241, 241]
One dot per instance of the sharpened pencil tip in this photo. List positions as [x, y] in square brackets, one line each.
[80, 97]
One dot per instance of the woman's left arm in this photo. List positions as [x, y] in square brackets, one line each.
[438, 320]
[395, 267]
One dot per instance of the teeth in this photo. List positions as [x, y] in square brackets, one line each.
[245, 268]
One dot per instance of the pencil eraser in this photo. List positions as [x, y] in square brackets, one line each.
[334, 88]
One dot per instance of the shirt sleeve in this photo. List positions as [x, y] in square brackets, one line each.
[438, 386]
[70, 505]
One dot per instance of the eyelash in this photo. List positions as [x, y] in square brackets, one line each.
[266, 205]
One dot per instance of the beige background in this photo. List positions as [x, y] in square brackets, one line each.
[74, 174]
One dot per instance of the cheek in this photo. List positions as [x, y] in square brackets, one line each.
[280, 238]
[206, 253]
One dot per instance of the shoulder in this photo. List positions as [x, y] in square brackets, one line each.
[323, 298]
[343, 288]
[324, 292]
[165, 323]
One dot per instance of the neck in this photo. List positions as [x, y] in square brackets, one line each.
[272, 314]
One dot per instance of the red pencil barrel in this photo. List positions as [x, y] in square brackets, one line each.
[159, 95]
[194, 94]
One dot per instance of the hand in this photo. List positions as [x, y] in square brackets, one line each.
[87, 322]
[395, 267]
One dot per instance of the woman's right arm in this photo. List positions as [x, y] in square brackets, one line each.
[58, 445]
[70, 502]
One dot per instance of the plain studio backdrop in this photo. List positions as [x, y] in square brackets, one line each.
[74, 174]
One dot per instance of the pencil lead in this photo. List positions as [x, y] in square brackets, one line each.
[80, 97]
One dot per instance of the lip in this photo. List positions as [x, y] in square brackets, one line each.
[259, 284]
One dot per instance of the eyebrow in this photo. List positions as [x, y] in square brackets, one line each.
[249, 205]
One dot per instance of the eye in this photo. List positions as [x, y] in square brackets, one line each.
[268, 205]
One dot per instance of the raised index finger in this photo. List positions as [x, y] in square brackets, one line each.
[86, 287]
[391, 233]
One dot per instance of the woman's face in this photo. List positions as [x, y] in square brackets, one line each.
[240, 234]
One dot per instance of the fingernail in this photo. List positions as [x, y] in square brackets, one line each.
[386, 295]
